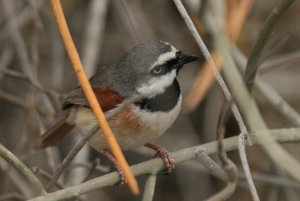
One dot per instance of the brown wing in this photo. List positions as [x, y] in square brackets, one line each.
[108, 100]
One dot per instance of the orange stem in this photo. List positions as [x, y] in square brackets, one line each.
[90, 96]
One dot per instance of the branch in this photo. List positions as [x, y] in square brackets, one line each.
[263, 37]
[17, 101]
[149, 187]
[246, 168]
[230, 144]
[280, 61]
[225, 193]
[22, 168]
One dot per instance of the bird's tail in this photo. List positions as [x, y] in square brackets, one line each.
[55, 134]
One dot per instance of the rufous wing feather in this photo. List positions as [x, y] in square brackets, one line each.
[54, 135]
[108, 100]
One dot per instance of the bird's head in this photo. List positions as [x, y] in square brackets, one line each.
[151, 67]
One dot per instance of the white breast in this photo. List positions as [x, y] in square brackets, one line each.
[154, 125]
[157, 122]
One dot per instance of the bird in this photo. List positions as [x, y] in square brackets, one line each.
[148, 70]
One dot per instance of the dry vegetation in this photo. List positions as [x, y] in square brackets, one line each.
[257, 47]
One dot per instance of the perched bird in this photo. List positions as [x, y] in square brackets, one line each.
[148, 70]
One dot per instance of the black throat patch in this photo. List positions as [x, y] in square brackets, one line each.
[163, 102]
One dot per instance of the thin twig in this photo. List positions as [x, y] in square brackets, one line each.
[280, 61]
[10, 196]
[47, 175]
[263, 37]
[76, 63]
[132, 17]
[246, 168]
[225, 193]
[230, 144]
[67, 160]
[221, 127]
[13, 99]
[13, 73]
[22, 168]
[95, 163]
[149, 187]
[273, 180]
[99, 168]
[20, 47]
[22, 19]
[5, 59]
[16, 179]
[214, 168]
[228, 166]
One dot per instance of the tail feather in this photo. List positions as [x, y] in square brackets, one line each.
[54, 135]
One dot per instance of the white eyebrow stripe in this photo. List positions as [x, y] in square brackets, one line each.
[157, 85]
[165, 57]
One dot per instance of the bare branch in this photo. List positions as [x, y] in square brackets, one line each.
[225, 193]
[13, 99]
[214, 168]
[273, 180]
[280, 61]
[22, 168]
[230, 144]
[246, 168]
[149, 187]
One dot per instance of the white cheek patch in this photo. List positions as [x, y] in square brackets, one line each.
[157, 85]
[165, 57]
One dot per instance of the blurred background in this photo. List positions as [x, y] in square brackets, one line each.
[36, 75]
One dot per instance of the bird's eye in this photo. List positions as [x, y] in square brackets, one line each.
[157, 70]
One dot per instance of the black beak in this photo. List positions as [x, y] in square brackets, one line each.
[183, 58]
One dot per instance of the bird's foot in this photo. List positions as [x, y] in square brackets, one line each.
[165, 155]
[110, 157]
[122, 180]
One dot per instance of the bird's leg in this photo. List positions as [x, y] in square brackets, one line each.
[110, 157]
[165, 155]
